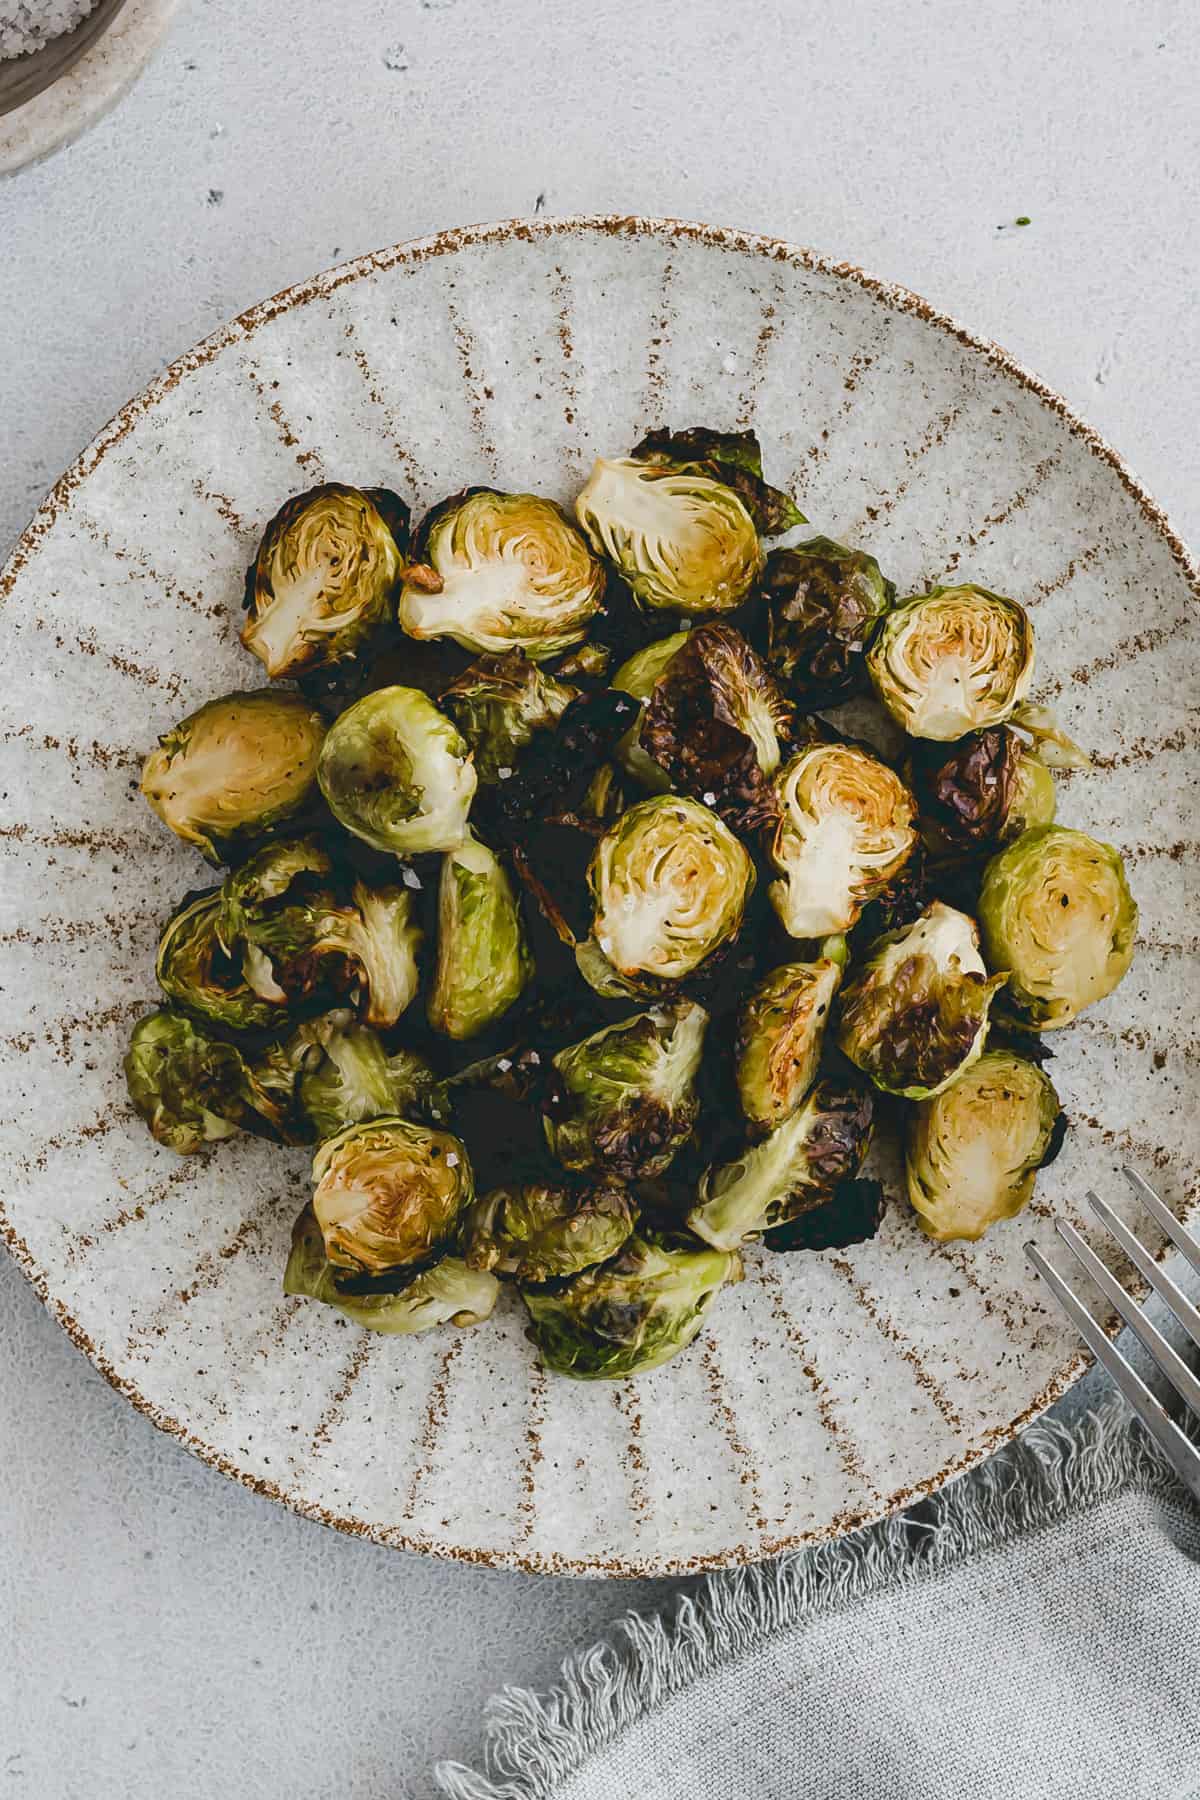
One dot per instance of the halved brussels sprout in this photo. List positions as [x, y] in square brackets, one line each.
[545, 1231]
[951, 661]
[447, 1294]
[483, 960]
[973, 1152]
[397, 773]
[1056, 912]
[796, 1167]
[780, 1033]
[683, 542]
[846, 829]
[499, 704]
[626, 1097]
[637, 677]
[187, 1086]
[195, 972]
[265, 878]
[347, 1077]
[389, 1194]
[669, 885]
[511, 574]
[323, 576]
[916, 1016]
[823, 602]
[715, 723]
[631, 1313]
[984, 789]
[234, 769]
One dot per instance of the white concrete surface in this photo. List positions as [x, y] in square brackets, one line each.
[161, 1632]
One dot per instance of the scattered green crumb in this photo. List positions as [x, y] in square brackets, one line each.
[1024, 221]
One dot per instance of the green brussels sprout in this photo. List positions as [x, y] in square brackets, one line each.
[235, 769]
[951, 661]
[323, 576]
[194, 970]
[846, 828]
[626, 1099]
[546, 1231]
[187, 1086]
[499, 704]
[669, 885]
[449, 1293]
[509, 572]
[823, 602]
[974, 1150]
[780, 1033]
[389, 1194]
[1057, 913]
[916, 1016]
[397, 773]
[263, 879]
[1034, 801]
[629, 1314]
[347, 1078]
[683, 541]
[637, 677]
[797, 1166]
[483, 961]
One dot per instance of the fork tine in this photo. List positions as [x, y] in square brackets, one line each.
[1183, 1456]
[1187, 1314]
[1164, 1354]
[1179, 1235]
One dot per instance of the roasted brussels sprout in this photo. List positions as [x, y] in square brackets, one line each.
[389, 1194]
[186, 1085]
[1057, 913]
[954, 660]
[916, 1015]
[715, 722]
[347, 1077]
[511, 574]
[780, 1033]
[823, 602]
[982, 790]
[323, 576]
[483, 961]
[195, 972]
[974, 1150]
[397, 773]
[846, 828]
[637, 677]
[625, 1100]
[449, 1293]
[264, 878]
[669, 885]
[546, 1231]
[853, 1216]
[498, 704]
[558, 766]
[587, 662]
[732, 457]
[796, 1167]
[629, 1314]
[235, 769]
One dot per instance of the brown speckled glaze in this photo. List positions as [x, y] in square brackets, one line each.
[832, 1388]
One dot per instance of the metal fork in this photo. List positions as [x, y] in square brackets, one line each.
[1180, 1452]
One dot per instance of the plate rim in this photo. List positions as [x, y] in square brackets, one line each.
[320, 286]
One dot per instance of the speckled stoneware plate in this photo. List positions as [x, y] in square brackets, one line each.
[830, 1388]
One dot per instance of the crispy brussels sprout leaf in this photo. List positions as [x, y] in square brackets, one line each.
[637, 676]
[499, 704]
[389, 1194]
[1050, 742]
[195, 972]
[629, 1314]
[546, 1231]
[483, 960]
[587, 662]
[1056, 911]
[1034, 801]
[323, 577]
[625, 1100]
[511, 574]
[954, 660]
[796, 1167]
[397, 773]
[682, 540]
[734, 457]
[348, 1077]
[449, 1293]
[780, 1033]
[853, 1216]
[973, 1152]
[249, 891]
[846, 828]
[235, 769]
[823, 602]
[186, 1085]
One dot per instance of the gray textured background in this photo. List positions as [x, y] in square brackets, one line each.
[161, 1632]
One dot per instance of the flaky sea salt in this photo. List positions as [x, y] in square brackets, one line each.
[25, 25]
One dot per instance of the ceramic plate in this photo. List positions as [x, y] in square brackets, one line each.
[830, 1388]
